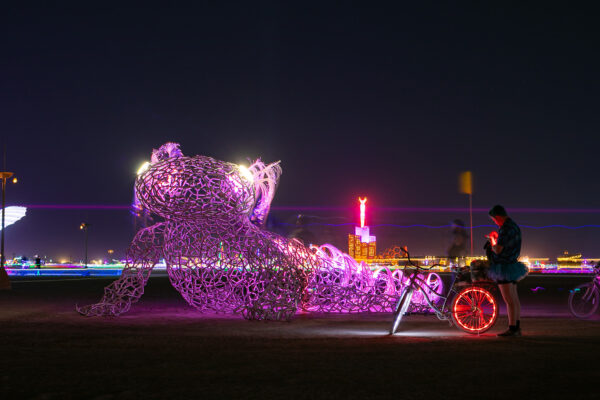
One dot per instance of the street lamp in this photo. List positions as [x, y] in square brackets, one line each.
[4, 281]
[110, 255]
[84, 227]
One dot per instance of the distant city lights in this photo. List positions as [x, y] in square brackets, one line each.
[362, 245]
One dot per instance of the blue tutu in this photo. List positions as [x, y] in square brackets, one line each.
[508, 272]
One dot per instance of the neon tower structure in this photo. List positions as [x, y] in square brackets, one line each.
[361, 245]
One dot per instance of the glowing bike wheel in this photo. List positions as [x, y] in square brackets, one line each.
[474, 310]
[583, 300]
[401, 309]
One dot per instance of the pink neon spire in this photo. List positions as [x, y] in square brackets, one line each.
[362, 211]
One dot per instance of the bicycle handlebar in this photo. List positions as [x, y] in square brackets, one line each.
[416, 265]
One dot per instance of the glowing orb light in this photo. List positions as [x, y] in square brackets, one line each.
[245, 172]
[143, 168]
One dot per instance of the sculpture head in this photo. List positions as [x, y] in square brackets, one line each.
[177, 187]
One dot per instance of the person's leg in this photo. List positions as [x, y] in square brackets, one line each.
[517, 304]
[505, 289]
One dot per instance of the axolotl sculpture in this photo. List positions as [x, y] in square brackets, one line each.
[217, 254]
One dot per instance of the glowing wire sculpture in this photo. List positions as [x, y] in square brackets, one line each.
[220, 259]
[341, 285]
[216, 255]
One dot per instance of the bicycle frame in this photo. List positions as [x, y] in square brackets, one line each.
[417, 283]
[439, 312]
[586, 295]
[595, 287]
[463, 307]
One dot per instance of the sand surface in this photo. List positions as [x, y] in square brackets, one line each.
[163, 349]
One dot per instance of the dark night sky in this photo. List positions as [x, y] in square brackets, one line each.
[391, 102]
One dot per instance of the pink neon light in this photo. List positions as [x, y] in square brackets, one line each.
[362, 211]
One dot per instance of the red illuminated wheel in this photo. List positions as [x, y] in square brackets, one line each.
[474, 310]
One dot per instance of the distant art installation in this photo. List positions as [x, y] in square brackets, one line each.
[220, 258]
[13, 214]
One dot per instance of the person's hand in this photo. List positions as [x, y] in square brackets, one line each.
[493, 237]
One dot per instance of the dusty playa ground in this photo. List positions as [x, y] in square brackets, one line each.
[163, 349]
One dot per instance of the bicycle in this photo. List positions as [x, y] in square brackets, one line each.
[584, 299]
[472, 308]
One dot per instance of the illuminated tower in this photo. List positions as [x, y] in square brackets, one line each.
[361, 245]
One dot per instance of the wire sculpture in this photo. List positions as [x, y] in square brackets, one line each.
[219, 257]
[143, 254]
[342, 285]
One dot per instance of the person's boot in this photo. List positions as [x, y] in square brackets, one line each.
[513, 330]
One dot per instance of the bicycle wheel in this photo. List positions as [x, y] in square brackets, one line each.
[401, 308]
[583, 300]
[474, 310]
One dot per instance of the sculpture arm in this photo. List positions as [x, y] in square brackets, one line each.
[143, 254]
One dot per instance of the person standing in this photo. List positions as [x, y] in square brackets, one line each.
[503, 249]
[301, 232]
[460, 238]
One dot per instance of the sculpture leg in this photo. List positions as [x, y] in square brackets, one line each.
[283, 283]
[280, 299]
[145, 251]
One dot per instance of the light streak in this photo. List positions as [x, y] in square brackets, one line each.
[524, 210]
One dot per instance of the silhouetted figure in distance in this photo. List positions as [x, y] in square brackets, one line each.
[460, 238]
[301, 232]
